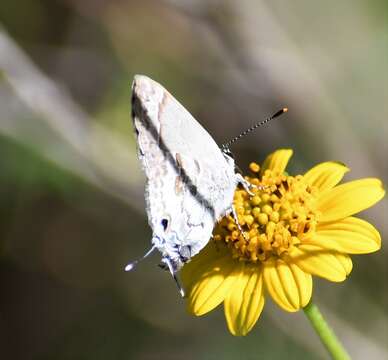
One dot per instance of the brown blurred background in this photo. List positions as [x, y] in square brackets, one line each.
[72, 208]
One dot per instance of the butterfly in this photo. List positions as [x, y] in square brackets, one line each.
[190, 180]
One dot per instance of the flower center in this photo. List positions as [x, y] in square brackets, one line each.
[273, 220]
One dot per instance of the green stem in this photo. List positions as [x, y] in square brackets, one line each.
[326, 334]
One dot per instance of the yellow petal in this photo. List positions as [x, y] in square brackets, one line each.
[277, 161]
[345, 261]
[348, 199]
[317, 261]
[245, 301]
[326, 175]
[213, 286]
[287, 284]
[304, 283]
[350, 235]
[194, 270]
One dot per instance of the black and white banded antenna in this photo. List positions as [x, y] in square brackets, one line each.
[225, 147]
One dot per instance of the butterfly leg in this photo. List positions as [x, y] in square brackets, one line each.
[234, 213]
[247, 185]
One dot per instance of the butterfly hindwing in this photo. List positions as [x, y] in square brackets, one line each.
[189, 181]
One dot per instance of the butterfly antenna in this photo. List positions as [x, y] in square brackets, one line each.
[280, 112]
[132, 264]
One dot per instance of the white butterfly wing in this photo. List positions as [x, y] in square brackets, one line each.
[190, 182]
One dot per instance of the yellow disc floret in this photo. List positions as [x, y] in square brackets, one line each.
[275, 218]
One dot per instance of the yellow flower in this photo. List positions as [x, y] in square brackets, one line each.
[294, 227]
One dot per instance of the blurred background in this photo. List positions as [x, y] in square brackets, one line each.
[72, 207]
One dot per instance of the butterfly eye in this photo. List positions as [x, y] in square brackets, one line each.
[164, 224]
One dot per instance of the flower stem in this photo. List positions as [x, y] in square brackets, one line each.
[326, 334]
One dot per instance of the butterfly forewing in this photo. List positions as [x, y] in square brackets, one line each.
[189, 181]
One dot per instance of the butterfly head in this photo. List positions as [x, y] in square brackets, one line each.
[174, 255]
